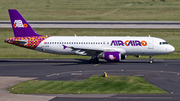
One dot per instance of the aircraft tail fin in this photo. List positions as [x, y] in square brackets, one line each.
[20, 26]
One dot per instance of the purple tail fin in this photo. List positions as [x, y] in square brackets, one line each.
[20, 27]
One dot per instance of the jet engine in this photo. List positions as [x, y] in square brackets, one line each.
[112, 56]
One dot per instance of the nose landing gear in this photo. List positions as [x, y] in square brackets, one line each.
[150, 60]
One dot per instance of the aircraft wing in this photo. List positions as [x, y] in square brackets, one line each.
[84, 48]
[100, 49]
[92, 50]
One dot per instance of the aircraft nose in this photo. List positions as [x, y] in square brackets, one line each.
[171, 49]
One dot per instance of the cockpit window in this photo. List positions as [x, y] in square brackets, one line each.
[163, 43]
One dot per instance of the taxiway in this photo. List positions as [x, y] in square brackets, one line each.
[164, 74]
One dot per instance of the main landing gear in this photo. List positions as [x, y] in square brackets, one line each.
[94, 60]
[150, 60]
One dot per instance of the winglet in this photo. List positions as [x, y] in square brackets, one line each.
[20, 27]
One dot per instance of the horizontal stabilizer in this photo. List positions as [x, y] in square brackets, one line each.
[22, 42]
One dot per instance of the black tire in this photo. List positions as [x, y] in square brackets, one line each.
[91, 61]
[95, 60]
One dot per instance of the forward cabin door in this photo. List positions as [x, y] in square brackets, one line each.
[151, 44]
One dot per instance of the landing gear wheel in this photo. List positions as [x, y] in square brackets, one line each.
[96, 60]
[91, 61]
[151, 60]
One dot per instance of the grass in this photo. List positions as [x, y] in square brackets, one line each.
[93, 85]
[172, 36]
[94, 10]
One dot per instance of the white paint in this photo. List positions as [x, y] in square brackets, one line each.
[88, 49]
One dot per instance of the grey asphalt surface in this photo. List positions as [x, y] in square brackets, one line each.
[98, 24]
[165, 74]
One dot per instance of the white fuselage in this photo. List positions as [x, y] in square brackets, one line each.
[80, 44]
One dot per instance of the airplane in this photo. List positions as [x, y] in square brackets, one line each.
[110, 48]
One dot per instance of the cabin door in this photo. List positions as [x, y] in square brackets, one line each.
[151, 44]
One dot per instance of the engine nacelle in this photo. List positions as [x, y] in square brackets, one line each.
[112, 56]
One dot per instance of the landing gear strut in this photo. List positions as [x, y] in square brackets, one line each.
[94, 60]
[150, 60]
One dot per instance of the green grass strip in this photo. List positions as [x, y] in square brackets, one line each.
[94, 10]
[93, 85]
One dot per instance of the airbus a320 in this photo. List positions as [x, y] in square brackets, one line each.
[110, 48]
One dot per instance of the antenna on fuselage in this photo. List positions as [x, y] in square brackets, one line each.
[75, 35]
[149, 36]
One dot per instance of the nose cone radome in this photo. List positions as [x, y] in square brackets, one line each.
[170, 49]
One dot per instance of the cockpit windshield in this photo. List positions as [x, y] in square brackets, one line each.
[163, 43]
